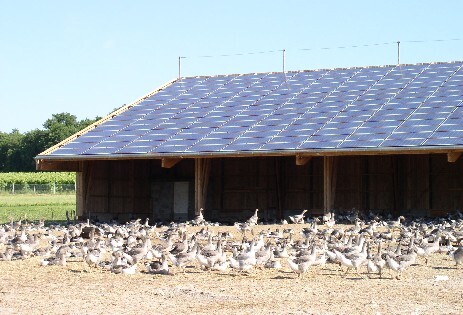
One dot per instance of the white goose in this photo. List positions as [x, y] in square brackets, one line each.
[298, 218]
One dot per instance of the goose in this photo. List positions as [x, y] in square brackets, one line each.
[209, 258]
[244, 264]
[396, 266]
[299, 265]
[221, 266]
[20, 238]
[199, 219]
[331, 222]
[210, 246]
[426, 249]
[25, 249]
[92, 258]
[281, 252]
[395, 224]
[244, 227]
[156, 267]
[353, 261]
[7, 255]
[457, 255]
[129, 270]
[310, 232]
[370, 229]
[253, 220]
[263, 255]
[58, 260]
[298, 218]
[378, 262]
[327, 217]
[182, 259]
[273, 264]
[116, 243]
[121, 265]
[165, 246]
[180, 247]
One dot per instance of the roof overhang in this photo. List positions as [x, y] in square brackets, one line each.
[71, 163]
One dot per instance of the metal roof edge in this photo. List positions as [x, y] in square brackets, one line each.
[102, 120]
[317, 152]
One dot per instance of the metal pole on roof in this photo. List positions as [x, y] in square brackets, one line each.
[284, 50]
[179, 66]
[398, 52]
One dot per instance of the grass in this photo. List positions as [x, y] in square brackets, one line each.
[34, 207]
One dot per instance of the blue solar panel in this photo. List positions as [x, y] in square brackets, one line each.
[393, 106]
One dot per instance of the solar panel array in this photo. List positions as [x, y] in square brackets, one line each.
[374, 107]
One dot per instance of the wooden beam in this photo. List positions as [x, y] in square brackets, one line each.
[327, 168]
[452, 157]
[80, 194]
[66, 166]
[302, 160]
[169, 162]
[202, 170]
[329, 182]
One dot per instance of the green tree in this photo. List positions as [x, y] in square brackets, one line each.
[17, 151]
[9, 150]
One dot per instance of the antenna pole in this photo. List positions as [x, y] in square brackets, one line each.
[398, 52]
[284, 50]
[179, 67]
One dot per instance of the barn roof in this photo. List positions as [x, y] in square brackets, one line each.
[399, 107]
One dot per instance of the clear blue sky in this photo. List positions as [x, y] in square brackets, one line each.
[89, 57]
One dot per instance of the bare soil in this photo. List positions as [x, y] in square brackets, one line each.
[28, 288]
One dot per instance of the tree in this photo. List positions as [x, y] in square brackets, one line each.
[17, 151]
[9, 152]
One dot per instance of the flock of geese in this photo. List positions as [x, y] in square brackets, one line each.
[369, 246]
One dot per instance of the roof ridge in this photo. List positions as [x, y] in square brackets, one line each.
[319, 69]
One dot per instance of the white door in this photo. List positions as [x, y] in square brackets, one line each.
[181, 200]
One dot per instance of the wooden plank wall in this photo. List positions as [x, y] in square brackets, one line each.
[119, 189]
[408, 184]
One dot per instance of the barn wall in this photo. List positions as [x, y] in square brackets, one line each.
[118, 189]
[405, 184]
[274, 185]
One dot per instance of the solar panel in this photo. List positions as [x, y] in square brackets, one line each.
[393, 106]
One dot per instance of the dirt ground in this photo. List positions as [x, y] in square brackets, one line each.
[28, 288]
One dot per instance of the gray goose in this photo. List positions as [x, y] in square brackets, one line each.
[158, 267]
[457, 255]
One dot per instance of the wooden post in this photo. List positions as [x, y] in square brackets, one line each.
[80, 191]
[202, 170]
[329, 182]
[278, 187]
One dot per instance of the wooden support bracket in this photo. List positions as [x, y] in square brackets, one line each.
[453, 156]
[168, 163]
[302, 160]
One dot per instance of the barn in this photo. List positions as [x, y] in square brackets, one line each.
[386, 139]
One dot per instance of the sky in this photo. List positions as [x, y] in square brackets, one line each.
[87, 58]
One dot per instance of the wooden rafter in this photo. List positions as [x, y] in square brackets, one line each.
[302, 160]
[453, 156]
[169, 162]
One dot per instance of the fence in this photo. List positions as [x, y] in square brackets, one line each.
[51, 188]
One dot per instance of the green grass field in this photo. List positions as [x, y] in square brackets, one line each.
[34, 207]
